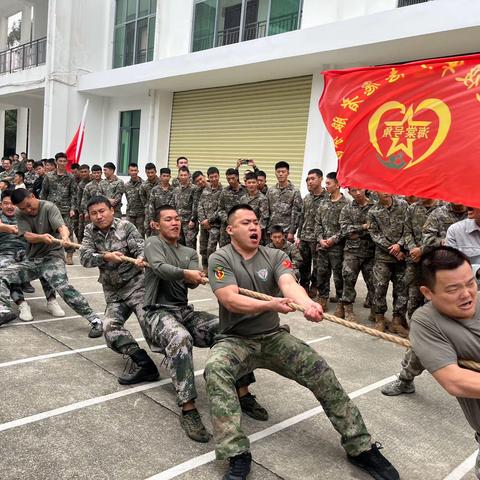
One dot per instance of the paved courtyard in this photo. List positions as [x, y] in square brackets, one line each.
[64, 416]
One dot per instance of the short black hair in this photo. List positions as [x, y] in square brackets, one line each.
[133, 165]
[250, 176]
[184, 169]
[39, 163]
[150, 166]
[235, 208]
[162, 209]
[60, 155]
[181, 158]
[97, 199]
[197, 174]
[276, 229]
[19, 195]
[7, 193]
[7, 158]
[332, 176]
[261, 173]
[20, 174]
[315, 171]
[212, 170]
[51, 161]
[282, 164]
[109, 165]
[84, 167]
[96, 168]
[7, 183]
[439, 258]
[75, 166]
[165, 170]
[30, 160]
[232, 171]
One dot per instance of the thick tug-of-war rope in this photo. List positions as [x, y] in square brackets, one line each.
[470, 364]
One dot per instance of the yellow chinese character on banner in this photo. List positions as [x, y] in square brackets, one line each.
[338, 123]
[423, 132]
[450, 67]
[339, 154]
[411, 132]
[369, 88]
[394, 76]
[398, 131]
[387, 132]
[351, 103]
[472, 78]
[337, 141]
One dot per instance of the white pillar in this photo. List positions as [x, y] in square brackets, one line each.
[22, 130]
[40, 20]
[2, 131]
[35, 131]
[3, 33]
[26, 23]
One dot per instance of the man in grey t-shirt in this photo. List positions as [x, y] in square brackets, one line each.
[448, 328]
[173, 328]
[253, 338]
[39, 221]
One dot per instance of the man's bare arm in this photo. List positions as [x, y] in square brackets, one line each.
[459, 382]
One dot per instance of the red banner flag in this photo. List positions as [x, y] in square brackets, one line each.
[409, 129]
[74, 150]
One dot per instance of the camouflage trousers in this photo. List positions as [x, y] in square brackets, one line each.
[71, 228]
[411, 366]
[139, 222]
[352, 266]
[330, 261]
[188, 236]
[203, 243]
[224, 236]
[412, 281]
[81, 228]
[308, 251]
[117, 337]
[16, 291]
[213, 236]
[383, 273]
[280, 352]
[54, 272]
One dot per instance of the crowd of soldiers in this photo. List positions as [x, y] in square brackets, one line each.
[326, 234]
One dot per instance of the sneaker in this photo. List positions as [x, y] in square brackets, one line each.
[192, 423]
[139, 368]
[252, 408]
[6, 315]
[333, 299]
[25, 314]
[54, 308]
[239, 467]
[374, 463]
[397, 387]
[96, 330]
[27, 287]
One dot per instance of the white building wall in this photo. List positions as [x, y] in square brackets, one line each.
[35, 131]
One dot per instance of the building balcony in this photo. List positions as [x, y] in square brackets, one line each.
[22, 57]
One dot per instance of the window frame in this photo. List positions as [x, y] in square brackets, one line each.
[130, 130]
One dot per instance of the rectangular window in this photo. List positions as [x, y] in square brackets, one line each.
[223, 22]
[128, 140]
[134, 37]
[407, 3]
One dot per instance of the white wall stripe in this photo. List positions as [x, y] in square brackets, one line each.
[210, 456]
[93, 401]
[463, 468]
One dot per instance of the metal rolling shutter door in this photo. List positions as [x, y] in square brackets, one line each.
[266, 121]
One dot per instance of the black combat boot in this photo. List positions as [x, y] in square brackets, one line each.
[374, 463]
[239, 467]
[139, 368]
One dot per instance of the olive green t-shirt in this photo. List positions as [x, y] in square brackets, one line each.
[261, 274]
[47, 220]
[440, 341]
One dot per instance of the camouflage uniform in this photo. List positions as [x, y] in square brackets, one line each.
[144, 192]
[359, 250]
[197, 191]
[386, 228]
[91, 189]
[123, 283]
[7, 175]
[12, 250]
[435, 228]
[327, 225]
[308, 242]
[113, 189]
[184, 204]
[415, 219]
[30, 178]
[228, 199]
[285, 207]
[135, 207]
[81, 213]
[259, 203]
[158, 197]
[62, 191]
[208, 210]
[293, 253]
